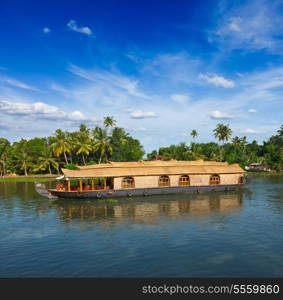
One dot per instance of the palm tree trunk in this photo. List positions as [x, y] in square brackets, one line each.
[222, 151]
[4, 167]
[49, 170]
[66, 160]
[244, 153]
[83, 159]
[26, 173]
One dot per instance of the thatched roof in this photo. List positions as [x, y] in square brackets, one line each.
[143, 168]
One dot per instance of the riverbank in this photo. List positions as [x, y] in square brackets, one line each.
[265, 173]
[29, 178]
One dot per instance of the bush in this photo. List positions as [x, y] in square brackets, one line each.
[91, 163]
[71, 167]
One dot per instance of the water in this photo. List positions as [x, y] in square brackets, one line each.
[220, 234]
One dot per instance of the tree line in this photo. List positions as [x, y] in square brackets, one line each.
[68, 149]
[231, 149]
[109, 142]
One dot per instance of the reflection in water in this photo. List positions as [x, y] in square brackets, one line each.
[150, 209]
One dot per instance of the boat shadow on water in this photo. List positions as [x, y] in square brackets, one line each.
[151, 208]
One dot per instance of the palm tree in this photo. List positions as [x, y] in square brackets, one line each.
[102, 143]
[194, 133]
[45, 163]
[109, 121]
[119, 134]
[241, 143]
[280, 131]
[62, 144]
[25, 160]
[4, 150]
[84, 128]
[244, 143]
[236, 141]
[83, 145]
[222, 133]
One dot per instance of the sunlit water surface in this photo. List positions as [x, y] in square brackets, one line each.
[218, 234]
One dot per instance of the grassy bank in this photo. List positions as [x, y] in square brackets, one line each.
[35, 178]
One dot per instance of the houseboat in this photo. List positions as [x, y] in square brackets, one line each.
[142, 178]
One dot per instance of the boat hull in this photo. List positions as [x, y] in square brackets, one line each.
[143, 192]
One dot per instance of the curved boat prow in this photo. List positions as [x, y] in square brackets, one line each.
[41, 190]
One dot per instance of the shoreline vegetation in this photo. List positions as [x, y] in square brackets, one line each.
[42, 158]
[31, 178]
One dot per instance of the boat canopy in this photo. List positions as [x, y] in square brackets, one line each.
[153, 168]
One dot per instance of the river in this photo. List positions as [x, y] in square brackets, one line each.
[216, 234]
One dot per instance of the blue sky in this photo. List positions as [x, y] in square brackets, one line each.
[161, 68]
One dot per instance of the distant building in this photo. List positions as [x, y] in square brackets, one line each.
[257, 167]
[160, 157]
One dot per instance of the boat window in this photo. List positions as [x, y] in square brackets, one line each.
[128, 183]
[241, 179]
[184, 180]
[164, 180]
[214, 179]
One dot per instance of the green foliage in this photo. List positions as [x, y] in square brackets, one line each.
[27, 179]
[270, 154]
[68, 149]
[4, 152]
[109, 121]
[194, 133]
[89, 163]
[71, 167]
[91, 146]
[102, 144]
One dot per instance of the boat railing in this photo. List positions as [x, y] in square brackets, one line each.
[61, 187]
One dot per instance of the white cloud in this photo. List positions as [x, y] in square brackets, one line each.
[165, 81]
[128, 110]
[234, 24]
[3, 126]
[240, 74]
[77, 115]
[114, 80]
[46, 30]
[40, 110]
[139, 114]
[140, 129]
[254, 25]
[250, 130]
[73, 26]
[217, 80]
[252, 110]
[180, 98]
[218, 115]
[17, 83]
[173, 68]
